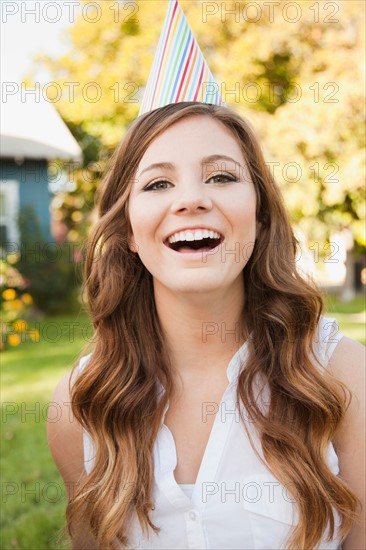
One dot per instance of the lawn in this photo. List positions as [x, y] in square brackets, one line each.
[350, 316]
[33, 501]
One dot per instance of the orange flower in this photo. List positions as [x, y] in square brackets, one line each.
[9, 294]
[14, 339]
[27, 299]
[20, 325]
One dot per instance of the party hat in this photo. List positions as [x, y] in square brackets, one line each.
[179, 72]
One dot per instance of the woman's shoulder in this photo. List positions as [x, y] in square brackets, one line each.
[348, 365]
[345, 360]
[346, 356]
[65, 440]
[327, 338]
[64, 433]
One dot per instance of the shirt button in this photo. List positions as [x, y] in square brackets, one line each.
[192, 515]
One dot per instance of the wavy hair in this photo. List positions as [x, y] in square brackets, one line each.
[116, 398]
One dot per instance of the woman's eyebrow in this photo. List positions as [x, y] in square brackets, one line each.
[206, 160]
[215, 158]
[163, 165]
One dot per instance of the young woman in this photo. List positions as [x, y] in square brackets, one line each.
[219, 408]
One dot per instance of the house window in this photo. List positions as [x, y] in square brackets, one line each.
[9, 210]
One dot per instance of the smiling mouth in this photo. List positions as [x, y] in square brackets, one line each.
[201, 245]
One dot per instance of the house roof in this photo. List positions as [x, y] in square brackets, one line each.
[32, 128]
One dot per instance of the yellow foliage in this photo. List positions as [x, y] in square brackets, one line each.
[315, 124]
[77, 216]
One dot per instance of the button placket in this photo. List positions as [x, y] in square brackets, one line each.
[195, 533]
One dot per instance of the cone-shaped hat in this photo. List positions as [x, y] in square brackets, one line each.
[179, 72]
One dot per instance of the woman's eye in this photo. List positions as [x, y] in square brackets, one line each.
[156, 185]
[222, 178]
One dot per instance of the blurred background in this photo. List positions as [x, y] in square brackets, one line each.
[73, 75]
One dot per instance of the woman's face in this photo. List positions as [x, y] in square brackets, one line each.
[192, 208]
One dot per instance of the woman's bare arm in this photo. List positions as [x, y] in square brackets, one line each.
[65, 440]
[348, 365]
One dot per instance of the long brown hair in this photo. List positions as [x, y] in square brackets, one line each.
[116, 397]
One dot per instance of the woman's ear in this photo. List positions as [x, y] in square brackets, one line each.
[131, 239]
[132, 245]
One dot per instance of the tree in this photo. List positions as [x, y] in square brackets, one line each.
[293, 69]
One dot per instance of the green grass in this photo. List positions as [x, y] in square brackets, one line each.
[351, 316]
[33, 500]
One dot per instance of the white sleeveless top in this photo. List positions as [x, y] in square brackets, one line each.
[236, 502]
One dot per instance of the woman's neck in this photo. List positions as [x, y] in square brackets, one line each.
[202, 331]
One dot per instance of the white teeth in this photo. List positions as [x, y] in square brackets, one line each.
[193, 235]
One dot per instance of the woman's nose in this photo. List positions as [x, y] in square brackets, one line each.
[191, 198]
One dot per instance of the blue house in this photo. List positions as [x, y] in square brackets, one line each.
[32, 134]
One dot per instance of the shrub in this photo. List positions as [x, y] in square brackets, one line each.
[15, 306]
[50, 270]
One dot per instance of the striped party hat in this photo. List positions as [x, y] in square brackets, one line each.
[179, 72]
